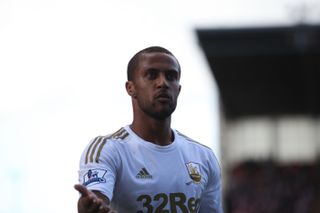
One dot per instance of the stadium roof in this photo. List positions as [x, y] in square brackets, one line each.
[265, 71]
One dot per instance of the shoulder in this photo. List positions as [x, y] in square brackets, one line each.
[95, 148]
[192, 142]
[118, 136]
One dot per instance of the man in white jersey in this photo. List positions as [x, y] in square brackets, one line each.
[148, 167]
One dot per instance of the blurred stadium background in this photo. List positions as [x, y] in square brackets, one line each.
[268, 80]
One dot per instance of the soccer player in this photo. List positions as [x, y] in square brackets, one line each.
[148, 166]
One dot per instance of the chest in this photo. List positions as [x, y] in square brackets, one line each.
[150, 181]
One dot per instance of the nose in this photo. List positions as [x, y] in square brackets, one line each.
[162, 81]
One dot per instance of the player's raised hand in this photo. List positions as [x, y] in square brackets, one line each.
[89, 202]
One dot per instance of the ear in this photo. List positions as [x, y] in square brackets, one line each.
[130, 89]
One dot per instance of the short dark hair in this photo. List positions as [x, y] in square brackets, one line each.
[134, 61]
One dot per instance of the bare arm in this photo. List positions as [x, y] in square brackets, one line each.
[92, 201]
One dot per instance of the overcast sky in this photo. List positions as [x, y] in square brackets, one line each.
[62, 74]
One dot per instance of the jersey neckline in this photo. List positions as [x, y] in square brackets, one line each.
[153, 146]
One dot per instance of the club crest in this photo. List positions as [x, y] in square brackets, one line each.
[194, 171]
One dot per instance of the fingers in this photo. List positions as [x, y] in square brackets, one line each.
[82, 189]
[91, 203]
[98, 206]
[88, 201]
[105, 209]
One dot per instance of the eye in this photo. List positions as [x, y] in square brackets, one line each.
[152, 74]
[172, 75]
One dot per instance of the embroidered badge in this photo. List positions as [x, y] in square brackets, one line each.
[194, 171]
[94, 176]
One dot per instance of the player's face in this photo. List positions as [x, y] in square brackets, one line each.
[156, 84]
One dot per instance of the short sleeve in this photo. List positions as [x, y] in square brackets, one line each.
[98, 166]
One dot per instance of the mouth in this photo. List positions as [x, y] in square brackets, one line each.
[163, 97]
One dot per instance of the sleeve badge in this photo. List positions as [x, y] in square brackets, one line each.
[94, 176]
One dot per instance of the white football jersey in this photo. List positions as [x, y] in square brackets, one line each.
[142, 177]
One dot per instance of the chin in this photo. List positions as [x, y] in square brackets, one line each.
[164, 114]
[159, 112]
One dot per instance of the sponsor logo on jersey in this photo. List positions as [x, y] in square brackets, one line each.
[94, 176]
[194, 171]
[173, 202]
[143, 174]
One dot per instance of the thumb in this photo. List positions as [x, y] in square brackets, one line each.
[82, 190]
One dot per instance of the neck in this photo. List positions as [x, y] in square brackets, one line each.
[152, 130]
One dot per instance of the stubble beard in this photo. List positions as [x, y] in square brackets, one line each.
[159, 114]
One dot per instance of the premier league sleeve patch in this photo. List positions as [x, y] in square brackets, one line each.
[94, 176]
